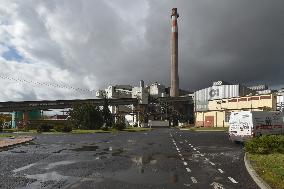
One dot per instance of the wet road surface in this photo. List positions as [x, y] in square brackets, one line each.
[162, 158]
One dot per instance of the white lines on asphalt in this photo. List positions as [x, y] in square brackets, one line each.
[202, 155]
[221, 171]
[198, 151]
[193, 180]
[187, 185]
[194, 149]
[182, 158]
[188, 169]
[189, 144]
[185, 140]
[184, 163]
[211, 163]
[232, 180]
[206, 159]
[180, 154]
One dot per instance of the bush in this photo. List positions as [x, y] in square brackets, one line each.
[44, 128]
[265, 144]
[119, 126]
[86, 116]
[63, 128]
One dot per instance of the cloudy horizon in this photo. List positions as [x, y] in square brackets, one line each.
[49, 48]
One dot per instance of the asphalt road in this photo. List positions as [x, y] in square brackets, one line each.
[162, 158]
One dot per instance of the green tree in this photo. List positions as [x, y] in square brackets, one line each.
[107, 116]
[86, 116]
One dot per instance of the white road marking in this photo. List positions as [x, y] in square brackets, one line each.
[185, 140]
[193, 180]
[217, 185]
[188, 185]
[198, 151]
[211, 163]
[182, 158]
[233, 180]
[181, 142]
[194, 149]
[188, 170]
[184, 163]
[189, 144]
[179, 154]
[206, 159]
[202, 155]
[220, 170]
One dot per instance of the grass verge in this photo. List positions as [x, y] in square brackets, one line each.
[80, 131]
[4, 135]
[270, 168]
[208, 128]
[136, 129]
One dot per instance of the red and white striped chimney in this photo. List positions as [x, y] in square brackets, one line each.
[174, 92]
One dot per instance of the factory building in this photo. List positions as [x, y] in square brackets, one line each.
[218, 90]
[280, 100]
[218, 111]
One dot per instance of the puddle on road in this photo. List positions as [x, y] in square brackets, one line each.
[85, 148]
[141, 173]
[24, 168]
[55, 164]
[50, 180]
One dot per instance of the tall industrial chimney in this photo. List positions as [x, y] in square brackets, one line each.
[174, 92]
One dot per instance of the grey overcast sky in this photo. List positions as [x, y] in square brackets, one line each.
[94, 43]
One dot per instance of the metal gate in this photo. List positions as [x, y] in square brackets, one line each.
[209, 121]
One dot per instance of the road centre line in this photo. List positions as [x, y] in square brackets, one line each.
[221, 171]
[184, 163]
[193, 180]
[233, 180]
[188, 169]
[211, 163]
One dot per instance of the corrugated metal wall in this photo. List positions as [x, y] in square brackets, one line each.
[218, 92]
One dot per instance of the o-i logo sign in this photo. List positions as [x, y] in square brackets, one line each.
[214, 92]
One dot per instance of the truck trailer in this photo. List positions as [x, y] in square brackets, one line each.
[248, 124]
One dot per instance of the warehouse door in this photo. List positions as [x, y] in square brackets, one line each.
[209, 121]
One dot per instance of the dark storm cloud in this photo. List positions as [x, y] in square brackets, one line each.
[95, 43]
[238, 41]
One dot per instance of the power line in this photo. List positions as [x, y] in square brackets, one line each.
[53, 85]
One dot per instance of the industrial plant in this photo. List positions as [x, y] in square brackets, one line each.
[155, 104]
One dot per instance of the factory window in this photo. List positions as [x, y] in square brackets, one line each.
[227, 116]
[265, 97]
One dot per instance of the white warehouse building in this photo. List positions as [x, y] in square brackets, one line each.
[218, 90]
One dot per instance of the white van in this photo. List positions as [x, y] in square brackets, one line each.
[248, 124]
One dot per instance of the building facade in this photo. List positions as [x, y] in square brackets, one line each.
[218, 112]
[219, 90]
